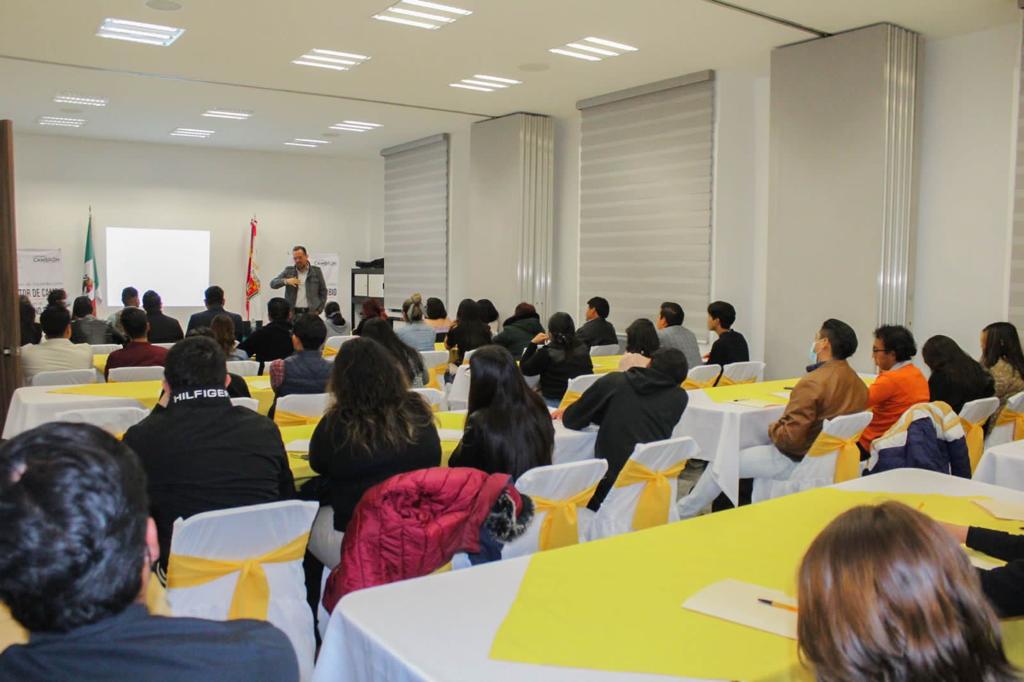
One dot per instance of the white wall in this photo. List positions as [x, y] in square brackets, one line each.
[967, 149]
[327, 204]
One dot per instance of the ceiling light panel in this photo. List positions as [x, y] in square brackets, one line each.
[422, 14]
[61, 121]
[331, 59]
[231, 114]
[483, 83]
[138, 32]
[591, 49]
[82, 100]
[199, 133]
[307, 142]
[355, 126]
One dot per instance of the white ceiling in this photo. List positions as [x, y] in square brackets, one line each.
[237, 54]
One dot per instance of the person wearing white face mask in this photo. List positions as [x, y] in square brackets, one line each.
[831, 389]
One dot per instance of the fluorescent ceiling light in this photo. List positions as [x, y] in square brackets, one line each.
[68, 98]
[363, 123]
[420, 15]
[309, 141]
[226, 113]
[610, 43]
[438, 7]
[61, 121]
[303, 62]
[496, 79]
[192, 132]
[350, 55]
[587, 49]
[440, 15]
[300, 144]
[406, 22]
[577, 55]
[484, 83]
[591, 48]
[469, 87]
[138, 32]
[351, 129]
[330, 59]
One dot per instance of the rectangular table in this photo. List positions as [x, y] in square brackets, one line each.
[1002, 465]
[442, 627]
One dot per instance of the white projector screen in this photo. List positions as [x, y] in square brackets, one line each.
[174, 263]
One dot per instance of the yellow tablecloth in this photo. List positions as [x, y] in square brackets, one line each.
[100, 362]
[763, 390]
[603, 364]
[148, 392]
[439, 346]
[616, 605]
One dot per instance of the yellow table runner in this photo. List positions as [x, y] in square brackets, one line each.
[603, 364]
[760, 391]
[100, 362]
[616, 605]
[439, 346]
[148, 392]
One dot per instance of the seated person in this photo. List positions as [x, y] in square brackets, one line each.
[336, 323]
[488, 314]
[598, 331]
[372, 309]
[223, 329]
[306, 370]
[272, 341]
[77, 545]
[415, 333]
[139, 352]
[563, 357]
[899, 384]
[672, 333]
[30, 329]
[56, 352]
[200, 452]
[85, 328]
[410, 360]
[129, 299]
[467, 333]
[1001, 355]
[437, 316]
[375, 428]
[508, 428]
[639, 405]
[831, 390]
[956, 377]
[884, 594]
[214, 299]
[162, 328]
[730, 346]
[57, 297]
[1004, 585]
[237, 388]
[641, 343]
[517, 330]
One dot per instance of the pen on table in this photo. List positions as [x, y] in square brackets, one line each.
[778, 605]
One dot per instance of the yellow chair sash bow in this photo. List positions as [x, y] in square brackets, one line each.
[1008, 416]
[330, 352]
[974, 433]
[726, 381]
[286, 418]
[569, 398]
[252, 592]
[437, 376]
[560, 527]
[693, 384]
[653, 506]
[847, 459]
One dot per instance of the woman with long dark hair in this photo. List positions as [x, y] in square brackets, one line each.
[489, 314]
[508, 428]
[408, 359]
[31, 332]
[372, 309]
[641, 342]
[956, 378]
[885, 594]
[374, 428]
[563, 357]
[1001, 355]
[469, 331]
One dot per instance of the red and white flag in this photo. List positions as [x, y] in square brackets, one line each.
[252, 276]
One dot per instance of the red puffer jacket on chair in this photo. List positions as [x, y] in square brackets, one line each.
[413, 523]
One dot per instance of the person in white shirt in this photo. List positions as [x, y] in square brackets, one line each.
[55, 352]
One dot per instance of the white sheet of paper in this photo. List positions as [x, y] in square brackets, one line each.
[1010, 511]
[783, 394]
[736, 601]
[300, 445]
[982, 561]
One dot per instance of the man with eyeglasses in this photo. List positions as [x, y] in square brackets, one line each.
[899, 384]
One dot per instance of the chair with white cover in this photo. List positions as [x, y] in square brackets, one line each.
[299, 409]
[576, 387]
[610, 349]
[644, 493]
[560, 493]
[833, 458]
[244, 368]
[1009, 423]
[702, 376]
[741, 373]
[333, 344]
[105, 348]
[115, 420]
[467, 355]
[458, 392]
[973, 416]
[250, 403]
[436, 398]
[436, 362]
[168, 345]
[66, 377]
[246, 562]
[119, 374]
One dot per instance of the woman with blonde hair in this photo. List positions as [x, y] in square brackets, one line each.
[886, 594]
[415, 333]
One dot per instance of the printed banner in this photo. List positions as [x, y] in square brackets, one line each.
[39, 271]
[328, 263]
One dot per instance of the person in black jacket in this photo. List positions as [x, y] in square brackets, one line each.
[31, 332]
[517, 330]
[956, 377]
[214, 299]
[598, 331]
[469, 331]
[508, 428]
[1004, 586]
[564, 357]
[730, 346]
[199, 451]
[272, 341]
[640, 405]
[162, 328]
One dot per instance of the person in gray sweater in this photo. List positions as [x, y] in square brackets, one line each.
[672, 333]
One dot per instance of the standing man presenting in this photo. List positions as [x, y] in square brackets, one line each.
[304, 285]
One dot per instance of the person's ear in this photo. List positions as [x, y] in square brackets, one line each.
[227, 381]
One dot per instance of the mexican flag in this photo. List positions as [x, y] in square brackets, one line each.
[90, 273]
[252, 275]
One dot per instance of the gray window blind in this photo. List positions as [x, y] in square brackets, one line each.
[646, 157]
[1016, 312]
[416, 220]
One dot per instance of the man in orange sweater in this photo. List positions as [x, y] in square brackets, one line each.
[899, 384]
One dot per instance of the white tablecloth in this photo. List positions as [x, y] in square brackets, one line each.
[722, 430]
[1003, 465]
[441, 627]
[35, 405]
